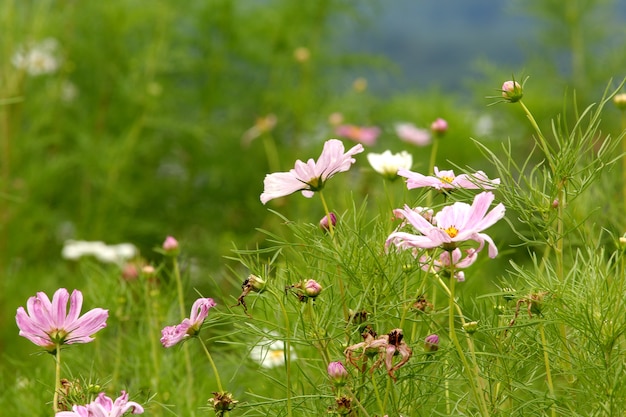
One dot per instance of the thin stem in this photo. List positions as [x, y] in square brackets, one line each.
[546, 360]
[287, 352]
[431, 167]
[212, 362]
[623, 121]
[181, 308]
[57, 379]
[542, 140]
[331, 227]
[466, 366]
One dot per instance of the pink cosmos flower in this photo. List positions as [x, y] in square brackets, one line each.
[446, 180]
[408, 132]
[310, 176]
[171, 335]
[451, 226]
[49, 324]
[366, 135]
[104, 406]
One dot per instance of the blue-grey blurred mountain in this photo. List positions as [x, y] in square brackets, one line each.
[440, 43]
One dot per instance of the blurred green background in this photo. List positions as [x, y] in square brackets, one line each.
[154, 118]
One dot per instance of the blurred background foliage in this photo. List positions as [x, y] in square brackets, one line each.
[163, 119]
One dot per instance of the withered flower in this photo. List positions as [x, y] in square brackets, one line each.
[385, 346]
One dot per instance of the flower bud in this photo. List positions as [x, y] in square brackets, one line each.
[620, 101]
[312, 288]
[255, 283]
[325, 225]
[512, 91]
[431, 343]
[439, 127]
[470, 327]
[170, 246]
[337, 373]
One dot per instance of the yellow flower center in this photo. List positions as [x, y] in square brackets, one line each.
[451, 231]
[446, 180]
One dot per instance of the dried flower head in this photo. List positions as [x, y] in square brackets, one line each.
[222, 402]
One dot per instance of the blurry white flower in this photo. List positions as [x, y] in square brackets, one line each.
[484, 125]
[37, 59]
[118, 254]
[270, 354]
[69, 91]
[388, 164]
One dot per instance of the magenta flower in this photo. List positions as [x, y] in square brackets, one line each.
[366, 135]
[450, 227]
[104, 406]
[189, 327]
[446, 180]
[412, 134]
[310, 176]
[49, 324]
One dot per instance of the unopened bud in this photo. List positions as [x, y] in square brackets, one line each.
[255, 283]
[439, 127]
[431, 343]
[512, 91]
[470, 327]
[328, 221]
[312, 288]
[337, 373]
[170, 246]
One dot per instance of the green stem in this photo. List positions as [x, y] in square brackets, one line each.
[287, 352]
[271, 152]
[471, 378]
[623, 121]
[431, 167]
[546, 360]
[212, 362]
[181, 308]
[57, 379]
[331, 227]
[543, 144]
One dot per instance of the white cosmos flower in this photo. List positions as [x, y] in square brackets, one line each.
[388, 164]
[39, 58]
[270, 354]
[118, 254]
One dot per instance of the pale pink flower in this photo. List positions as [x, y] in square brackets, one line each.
[104, 406]
[452, 226]
[171, 335]
[366, 135]
[408, 132]
[49, 324]
[310, 176]
[446, 180]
